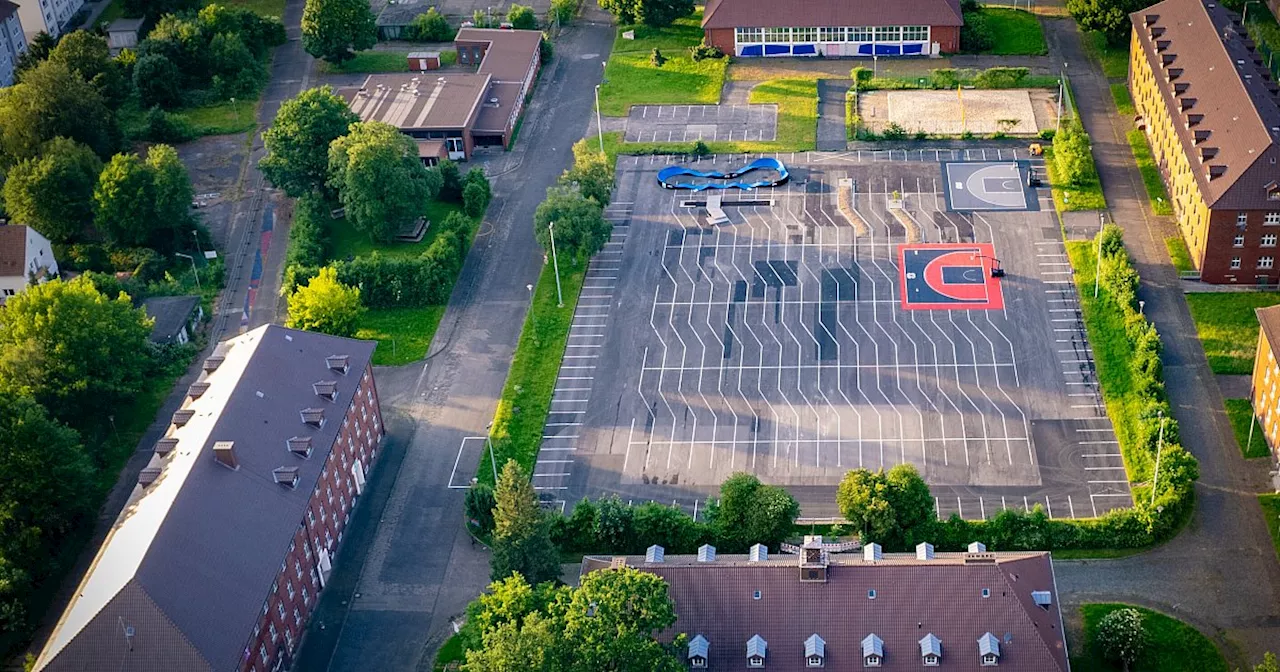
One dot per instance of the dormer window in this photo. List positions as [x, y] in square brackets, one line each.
[337, 363]
[325, 389]
[930, 650]
[872, 651]
[313, 417]
[815, 651]
[930, 660]
[300, 446]
[871, 594]
[990, 660]
[698, 647]
[989, 650]
[757, 651]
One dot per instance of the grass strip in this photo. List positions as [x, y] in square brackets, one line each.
[1124, 102]
[1114, 60]
[1228, 327]
[1249, 436]
[517, 428]
[1076, 197]
[403, 334]
[1015, 32]
[631, 79]
[1179, 254]
[1151, 179]
[371, 62]
[1271, 512]
[1112, 353]
[1172, 645]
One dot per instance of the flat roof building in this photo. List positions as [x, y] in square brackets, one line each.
[222, 549]
[833, 27]
[452, 112]
[893, 611]
[1208, 106]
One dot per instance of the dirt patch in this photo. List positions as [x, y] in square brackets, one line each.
[214, 164]
[981, 112]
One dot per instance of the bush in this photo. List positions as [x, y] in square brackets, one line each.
[701, 149]
[975, 34]
[545, 51]
[309, 233]
[1000, 78]
[656, 59]
[894, 131]
[450, 181]
[1072, 154]
[478, 507]
[1048, 134]
[944, 78]
[430, 26]
[476, 193]
[1121, 636]
[702, 52]
[521, 17]
[563, 11]
[158, 81]
[166, 128]
[860, 76]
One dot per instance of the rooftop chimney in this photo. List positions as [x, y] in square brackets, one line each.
[325, 389]
[655, 554]
[706, 553]
[225, 453]
[300, 446]
[313, 417]
[197, 389]
[872, 553]
[759, 553]
[286, 476]
[166, 445]
[924, 551]
[213, 362]
[182, 416]
[337, 363]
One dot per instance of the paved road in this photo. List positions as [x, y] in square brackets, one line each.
[410, 567]
[832, 135]
[1221, 573]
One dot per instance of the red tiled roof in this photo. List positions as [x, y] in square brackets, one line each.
[913, 598]
[13, 249]
[806, 13]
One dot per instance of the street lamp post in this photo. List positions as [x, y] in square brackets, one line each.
[1097, 264]
[194, 270]
[551, 230]
[599, 126]
[1159, 445]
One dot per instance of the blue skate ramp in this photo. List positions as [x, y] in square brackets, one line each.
[669, 177]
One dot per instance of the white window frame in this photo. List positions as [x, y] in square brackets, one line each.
[1271, 218]
[814, 661]
[1235, 263]
[1268, 240]
[888, 33]
[871, 661]
[777, 35]
[915, 30]
[831, 34]
[1242, 219]
[804, 35]
[755, 661]
[1266, 263]
[861, 34]
[1238, 241]
[748, 35]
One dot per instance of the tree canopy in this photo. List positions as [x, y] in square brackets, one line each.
[1072, 154]
[297, 143]
[581, 229]
[1110, 17]
[751, 512]
[325, 305]
[335, 29]
[88, 55]
[144, 202]
[53, 101]
[654, 13]
[521, 17]
[379, 179]
[887, 507]
[53, 193]
[74, 350]
[521, 533]
[591, 172]
[1121, 636]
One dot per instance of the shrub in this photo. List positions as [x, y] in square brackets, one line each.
[521, 17]
[894, 131]
[1121, 636]
[702, 52]
[1048, 134]
[975, 34]
[308, 235]
[474, 199]
[1072, 154]
[944, 78]
[166, 128]
[1000, 78]
[430, 26]
[450, 181]
[701, 149]
[860, 76]
[563, 11]
[656, 59]
[478, 507]
[545, 51]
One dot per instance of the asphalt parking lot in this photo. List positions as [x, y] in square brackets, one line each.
[792, 343]
[687, 123]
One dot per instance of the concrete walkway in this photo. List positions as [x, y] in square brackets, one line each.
[832, 135]
[1220, 573]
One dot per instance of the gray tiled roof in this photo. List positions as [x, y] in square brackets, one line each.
[196, 552]
[171, 314]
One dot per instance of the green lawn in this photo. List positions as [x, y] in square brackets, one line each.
[371, 61]
[451, 651]
[1156, 194]
[1069, 198]
[114, 11]
[1247, 430]
[345, 242]
[1172, 646]
[1228, 327]
[1124, 102]
[630, 79]
[1179, 254]
[222, 118]
[1016, 33]
[526, 398]
[1114, 60]
[1271, 511]
[1111, 352]
[403, 334]
[797, 101]
[263, 7]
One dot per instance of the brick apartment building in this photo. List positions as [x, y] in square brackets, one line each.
[824, 608]
[833, 27]
[1264, 393]
[1209, 108]
[221, 552]
[449, 113]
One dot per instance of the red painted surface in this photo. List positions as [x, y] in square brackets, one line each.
[986, 295]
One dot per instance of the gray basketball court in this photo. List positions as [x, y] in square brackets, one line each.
[986, 186]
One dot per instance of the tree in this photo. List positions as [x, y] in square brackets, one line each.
[611, 622]
[478, 506]
[158, 81]
[53, 101]
[125, 201]
[1268, 664]
[476, 193]
[563, 11]
[75, 351]
[888, 508]
[592, 174]
[297, 143]
[521, 17]
[751, 512]
[234, 69]
[54, 193]
[1121, 636]
[325, 305]
[171, 189]
[655, 13]
[581, 229]
[450, 181]
[1110, 17]
[335, 29]
[521, 533]
[379, 179]
[430, 26]
[88, 55]
[38, 49]
[1072, 154]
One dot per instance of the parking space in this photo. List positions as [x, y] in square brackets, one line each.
[781, 343]
[687, 123]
